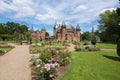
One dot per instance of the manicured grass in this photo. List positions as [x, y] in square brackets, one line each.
[93, 66]
[106, 45]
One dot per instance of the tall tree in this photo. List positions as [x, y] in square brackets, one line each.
[109, 26]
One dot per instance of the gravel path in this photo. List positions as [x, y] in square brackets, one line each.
[14, 64]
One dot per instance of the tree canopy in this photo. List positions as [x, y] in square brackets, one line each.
[86, 36]
[109, 26]
[12, 30]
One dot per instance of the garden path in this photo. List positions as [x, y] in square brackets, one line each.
[14, 64]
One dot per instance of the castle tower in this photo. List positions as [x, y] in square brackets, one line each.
[78, 32]
[55, 31]
[63, 29]
[43, 33]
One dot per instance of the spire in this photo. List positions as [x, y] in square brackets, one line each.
[55, 25]
[78, 27]
[63, 25]
[92, 29]
[31, 30]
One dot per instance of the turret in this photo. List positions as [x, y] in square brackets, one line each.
[78, 32]
[77, 27]
[63, 28]
[63, 25]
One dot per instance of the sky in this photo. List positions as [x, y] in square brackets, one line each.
[45, 13]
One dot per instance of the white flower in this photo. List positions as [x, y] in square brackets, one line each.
[51, 75]
[52, 65]
[56, 64]
[38, 65]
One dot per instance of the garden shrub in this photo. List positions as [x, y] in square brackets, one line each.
[2, 52]
[77, 48]
[45, 57]
[86, 43]
[4, 49]
[64, 62]
[42, 44]
[93, 41]
[45, 66]
[87, 48]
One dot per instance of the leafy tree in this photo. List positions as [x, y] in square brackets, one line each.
[86, 36]
[11, 28]
[109, 26]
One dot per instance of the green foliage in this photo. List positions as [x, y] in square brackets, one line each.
[93, 40]
[77, 48]
[118, 11]
[109, 26]
[45, 57]
[118, 47]
[45, 66]
[12, 30]
[4, 49]
[64, 62]
[86, 43]
[87, 48]
[37, 49]
[2, 52]
[86, 36]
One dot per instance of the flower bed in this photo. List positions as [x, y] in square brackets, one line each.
[37, 49]
[4, 49]
[46, 66]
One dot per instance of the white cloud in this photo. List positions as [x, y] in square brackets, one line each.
[20, 9]
[111, 9]
[80, 9]
[49, 11]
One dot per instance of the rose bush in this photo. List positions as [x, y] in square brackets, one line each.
[45, 66]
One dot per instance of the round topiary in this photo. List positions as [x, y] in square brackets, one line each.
[93, 41]
[118, 47]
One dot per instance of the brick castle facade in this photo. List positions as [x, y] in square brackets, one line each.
[63, 32]
[36, 34]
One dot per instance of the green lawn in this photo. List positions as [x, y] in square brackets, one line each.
[93, 66]
[107, 46]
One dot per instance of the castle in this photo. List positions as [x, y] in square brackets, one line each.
[63, 32]
[38, 34]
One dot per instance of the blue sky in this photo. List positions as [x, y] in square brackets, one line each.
[44, 13]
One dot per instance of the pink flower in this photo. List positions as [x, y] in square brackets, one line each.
[47, 67]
